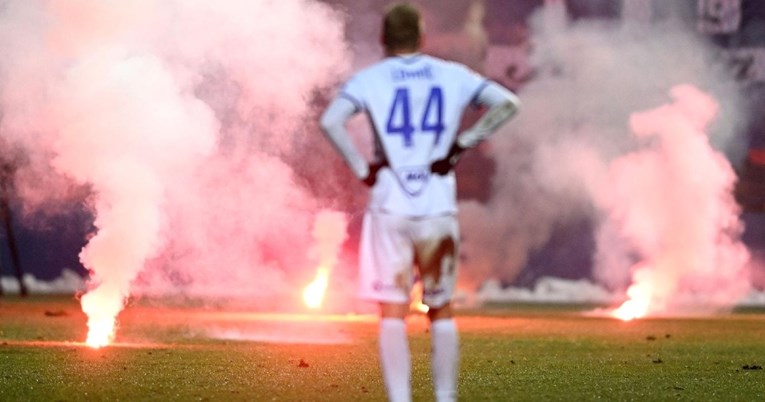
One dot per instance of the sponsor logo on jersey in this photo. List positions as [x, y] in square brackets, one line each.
[413, 178]
[423, 73]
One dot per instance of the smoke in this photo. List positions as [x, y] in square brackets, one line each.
[124, 113]
[673, 205]
[557, 162]
[185, 121]
[329, 232]
[187, 128]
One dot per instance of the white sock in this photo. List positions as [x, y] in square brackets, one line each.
[444, 358]
[395, 359]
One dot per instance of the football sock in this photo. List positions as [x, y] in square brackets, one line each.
[444, 358]
[395, 359]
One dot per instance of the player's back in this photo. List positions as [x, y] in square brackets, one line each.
[415, 104]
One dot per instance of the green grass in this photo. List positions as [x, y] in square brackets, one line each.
[522, 353]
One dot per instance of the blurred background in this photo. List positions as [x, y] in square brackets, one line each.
[500, 39]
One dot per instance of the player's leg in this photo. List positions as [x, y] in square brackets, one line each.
[437, 257]
[395, 359]
[385, 276]
[445, 353]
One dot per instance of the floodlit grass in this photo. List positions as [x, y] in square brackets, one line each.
[508, 354]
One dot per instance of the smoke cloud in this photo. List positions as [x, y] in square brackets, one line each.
[672, 202]
[187, 128]
[185, 123]
[560, 159]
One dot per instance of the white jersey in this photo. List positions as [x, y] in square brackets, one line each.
[415, 105]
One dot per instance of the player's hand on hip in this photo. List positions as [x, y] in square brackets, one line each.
[374, 168]
[446, 164]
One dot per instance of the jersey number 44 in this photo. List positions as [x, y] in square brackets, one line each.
[400, 121]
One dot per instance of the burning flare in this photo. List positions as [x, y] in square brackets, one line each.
[643, 295]
[313, 294]
[329, 233]
[416, 297]
[637, 306]
[102, 317]
[100, 331]
[673, 200]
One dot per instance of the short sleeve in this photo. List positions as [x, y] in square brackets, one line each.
[472, 84]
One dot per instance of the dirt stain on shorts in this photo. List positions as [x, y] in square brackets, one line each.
[430, 257]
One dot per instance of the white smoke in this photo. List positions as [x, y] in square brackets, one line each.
[672, 201]
[186, 121]
[554, 161]
[329, 233]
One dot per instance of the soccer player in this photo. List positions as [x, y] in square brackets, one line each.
[414, 103]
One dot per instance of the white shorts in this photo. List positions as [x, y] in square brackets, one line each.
[393, 246]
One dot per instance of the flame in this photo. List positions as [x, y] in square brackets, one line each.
[313, 294]
[631, 309]
[329, 232]
[637, 305]
[416, 296]
[419, 307]
[100, 332]
[102, 308]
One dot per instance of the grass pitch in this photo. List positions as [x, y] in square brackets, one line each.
[525, 353]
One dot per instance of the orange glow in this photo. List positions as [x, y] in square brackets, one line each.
[638, 304]
[419, 307]
[416, 296]
[100, 332]
[284, 317]
[630, 310]
[313, 294]
[101, 306]
[83, 345]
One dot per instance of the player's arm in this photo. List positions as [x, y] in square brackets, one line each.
[333, 125]
[502, 104]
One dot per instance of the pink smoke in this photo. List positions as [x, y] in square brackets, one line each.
[556, 163]
[672, 203]
[181, 118]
